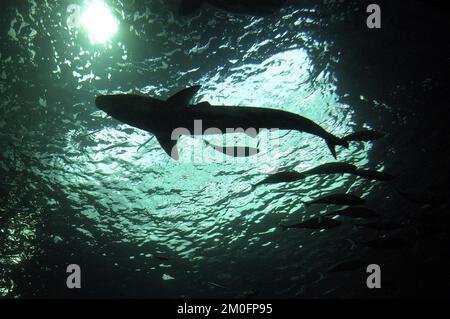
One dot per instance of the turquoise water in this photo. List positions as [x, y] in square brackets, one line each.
[83, 188]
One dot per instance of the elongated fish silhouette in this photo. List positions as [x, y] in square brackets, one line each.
[374, 175]
[176, 117]
[292, 176]
[216, 285]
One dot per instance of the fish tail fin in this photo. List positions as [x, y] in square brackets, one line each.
[306, 204]
[332, 141]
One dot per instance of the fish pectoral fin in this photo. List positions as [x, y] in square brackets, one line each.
[182, 98]
[168, 144]
[188, 7]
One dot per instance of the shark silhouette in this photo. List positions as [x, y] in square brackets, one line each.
[170, 119]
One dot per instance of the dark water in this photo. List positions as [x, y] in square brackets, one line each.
[78, 187]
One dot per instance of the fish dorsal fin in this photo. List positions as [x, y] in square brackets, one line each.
[182, 98]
